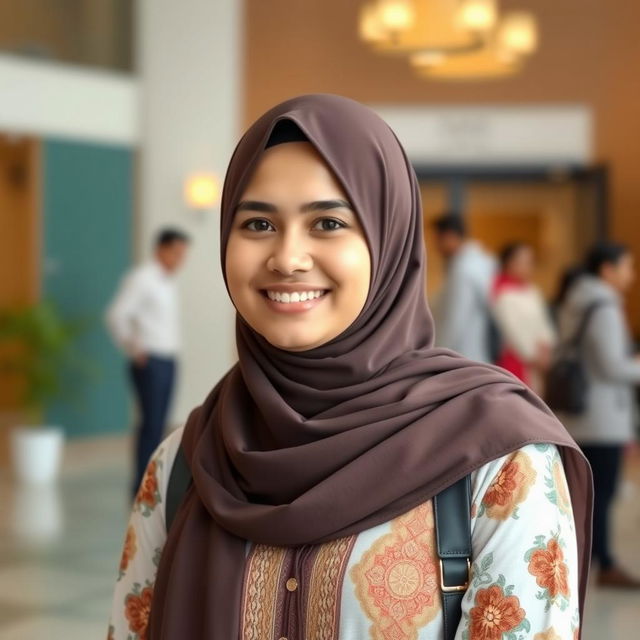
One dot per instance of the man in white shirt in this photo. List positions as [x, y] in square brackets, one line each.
[462, 314]
[143, 319]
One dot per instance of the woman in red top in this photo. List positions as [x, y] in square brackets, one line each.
[522, 318]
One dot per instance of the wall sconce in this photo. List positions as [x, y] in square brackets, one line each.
[202, 191]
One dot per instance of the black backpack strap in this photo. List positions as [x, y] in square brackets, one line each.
[577, 338]
[452, 514]
[179, 482]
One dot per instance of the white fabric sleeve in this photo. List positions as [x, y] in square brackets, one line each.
[524, 576]
[606, 339]
[547, 331]
[516, 329]
[144, 541]
[120, 317]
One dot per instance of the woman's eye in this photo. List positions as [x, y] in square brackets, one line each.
[257, 224]
[328, 224]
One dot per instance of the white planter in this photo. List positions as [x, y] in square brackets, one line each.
[37, 453]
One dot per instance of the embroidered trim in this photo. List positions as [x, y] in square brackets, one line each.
[263, 571]
[325, 589]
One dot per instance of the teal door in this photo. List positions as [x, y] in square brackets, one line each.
[87, 204]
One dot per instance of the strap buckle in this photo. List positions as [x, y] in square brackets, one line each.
[462, 587]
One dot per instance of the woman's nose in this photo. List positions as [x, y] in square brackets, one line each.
[289, 254]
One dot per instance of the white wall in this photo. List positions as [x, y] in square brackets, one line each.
[190, 75]
[56, 100]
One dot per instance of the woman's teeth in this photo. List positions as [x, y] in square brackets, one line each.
[297, 296]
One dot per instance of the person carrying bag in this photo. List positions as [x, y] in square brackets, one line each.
[591, 386]
[567, 383]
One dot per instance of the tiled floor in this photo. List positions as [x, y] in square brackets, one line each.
[59, 551]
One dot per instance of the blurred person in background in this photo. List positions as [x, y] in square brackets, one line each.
[522, 317]
[612, 370]
[143, 319]
[567, 279]
[463, 315]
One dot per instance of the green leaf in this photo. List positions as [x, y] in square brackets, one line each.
[525, 625]
[486, 562]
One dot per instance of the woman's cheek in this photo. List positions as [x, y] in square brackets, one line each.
[239, 270]
[242, 256]
[355, 267]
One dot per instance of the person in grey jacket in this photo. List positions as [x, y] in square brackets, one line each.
[462, 313]
[612, 371]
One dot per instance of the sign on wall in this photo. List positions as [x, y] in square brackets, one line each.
[493, 135]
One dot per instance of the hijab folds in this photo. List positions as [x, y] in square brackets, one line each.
[295, 448]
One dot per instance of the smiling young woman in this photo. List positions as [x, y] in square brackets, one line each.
[297, 260]
[318, 462]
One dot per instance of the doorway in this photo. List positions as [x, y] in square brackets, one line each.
[559, 213]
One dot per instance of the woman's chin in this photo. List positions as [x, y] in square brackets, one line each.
[295, 342]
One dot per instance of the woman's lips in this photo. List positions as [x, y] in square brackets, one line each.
[293, 307]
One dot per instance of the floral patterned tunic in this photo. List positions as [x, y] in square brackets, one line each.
[383, 583]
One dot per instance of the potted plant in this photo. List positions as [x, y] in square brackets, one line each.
[36, 343]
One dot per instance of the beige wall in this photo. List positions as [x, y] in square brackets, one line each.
[590, 50]
[189, 61]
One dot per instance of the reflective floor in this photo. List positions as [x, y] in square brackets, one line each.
[59, 551]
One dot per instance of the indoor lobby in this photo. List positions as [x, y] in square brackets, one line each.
[119, 119]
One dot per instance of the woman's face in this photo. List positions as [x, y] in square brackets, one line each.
[620, 274]
[297, 261]
[522, 264]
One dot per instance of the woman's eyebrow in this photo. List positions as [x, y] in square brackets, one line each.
[317, 205]
[325, 205]
[256, 205]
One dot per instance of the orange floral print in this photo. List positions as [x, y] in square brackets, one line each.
[148, 495]
[549, 634]
[137, 608]
[510, 488]
[560, 484]
[494, 613]
[129, 549]
[549, 568]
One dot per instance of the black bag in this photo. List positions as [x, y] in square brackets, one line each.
[452, 515]
[566, 381]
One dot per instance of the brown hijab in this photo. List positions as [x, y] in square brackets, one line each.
[295, 448]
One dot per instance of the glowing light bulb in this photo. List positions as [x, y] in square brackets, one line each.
[427, 59]
[370, 25]
[202, 191]
[396, 15]
[478, 15]
[518, 32]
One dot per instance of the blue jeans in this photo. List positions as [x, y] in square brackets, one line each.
[153, 385]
